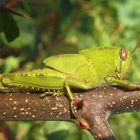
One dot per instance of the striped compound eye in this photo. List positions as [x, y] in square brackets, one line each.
[123, 54]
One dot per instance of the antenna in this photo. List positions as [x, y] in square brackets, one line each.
[136, 47]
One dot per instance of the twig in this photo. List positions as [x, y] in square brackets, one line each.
[92, 110]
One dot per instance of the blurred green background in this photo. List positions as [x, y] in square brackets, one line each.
[66, 26]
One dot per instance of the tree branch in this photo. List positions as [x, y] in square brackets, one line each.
[91, 108]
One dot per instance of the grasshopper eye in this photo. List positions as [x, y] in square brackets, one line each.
[123, 54]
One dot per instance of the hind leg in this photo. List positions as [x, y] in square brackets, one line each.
[6, 89]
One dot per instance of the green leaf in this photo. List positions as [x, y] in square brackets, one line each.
[9, 27]
[2, 24]
[86, 135]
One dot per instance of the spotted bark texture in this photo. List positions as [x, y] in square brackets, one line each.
[91, 108]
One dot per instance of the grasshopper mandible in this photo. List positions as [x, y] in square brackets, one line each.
[88, 69]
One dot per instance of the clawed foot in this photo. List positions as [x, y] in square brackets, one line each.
[53, 93]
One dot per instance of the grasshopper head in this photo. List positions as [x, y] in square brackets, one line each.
[125, 60]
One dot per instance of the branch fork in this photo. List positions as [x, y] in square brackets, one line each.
[90, 109]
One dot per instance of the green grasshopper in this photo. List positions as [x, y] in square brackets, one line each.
[88, 69]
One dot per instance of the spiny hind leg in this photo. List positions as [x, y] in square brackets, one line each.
[6, 86]
[6, 89]
[2, 88]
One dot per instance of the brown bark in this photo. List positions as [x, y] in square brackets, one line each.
[92, 108]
